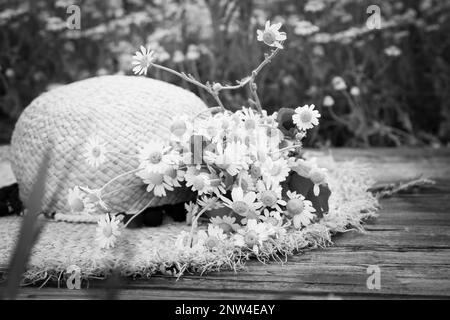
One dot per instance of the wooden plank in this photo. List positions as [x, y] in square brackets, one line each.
[415, 210]
[392, 164]
[154, 294]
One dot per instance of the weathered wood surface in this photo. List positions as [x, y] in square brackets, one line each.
[409, 241]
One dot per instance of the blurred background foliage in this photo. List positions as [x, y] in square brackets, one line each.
[381, 87]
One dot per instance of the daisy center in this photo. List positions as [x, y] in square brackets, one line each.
[198, 183]
[155, 157]
[211, 242]
[147, 61]
[96, 152]
[251, 238]
[269, 198]
[240, 207]
[155, 178]
[255, 171]
[225, 227]
[107, 231]
[272, 221]
[295, 206]
[269, 37]
[77, 205]
[306, 117]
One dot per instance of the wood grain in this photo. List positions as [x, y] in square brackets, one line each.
[409, 241]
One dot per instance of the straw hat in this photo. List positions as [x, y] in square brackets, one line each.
[122, 110]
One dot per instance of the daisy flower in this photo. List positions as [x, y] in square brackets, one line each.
[299, 209]
[328, 101]
[176, 175]
[272, 217]
[180, 129]
[226, 123]
[354, 91]
[210, 202]
[270, 196]
[94, 196]
[269, 120]
[252, 215]
[213, 238]
[156, 182]
[217, 184]
[226, 223]
[275, 171]
[305, 28]
[306, 117]
[198, 181]
[250, 118]
[240, 203]
[178, 57]
[271, 35]
[95, 152]
[260, 150]
[255, 171]
[392, 51]
[253, 235]
[268, 138]
[338, 84]
[78, 201]
[314, 6]
[210, 128]
[107, 231]
[245, 181]
[156, 157]
[232, 159]
[142, 60]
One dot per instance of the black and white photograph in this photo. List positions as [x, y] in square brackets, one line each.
[224, 154]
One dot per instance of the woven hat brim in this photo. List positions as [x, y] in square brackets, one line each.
[146, 251]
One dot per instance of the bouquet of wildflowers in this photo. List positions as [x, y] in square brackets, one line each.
[246, 168]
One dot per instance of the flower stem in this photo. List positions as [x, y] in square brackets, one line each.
[198, 215]
[118, 177]
[191, 79]
[122, 188]
[215, 93]
[140, 211]
[254, 73]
